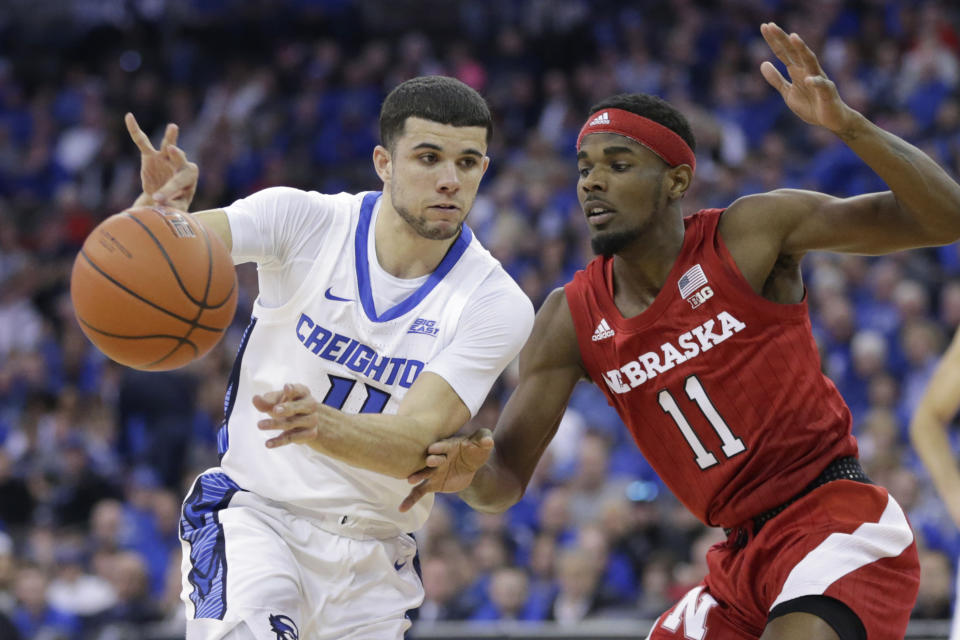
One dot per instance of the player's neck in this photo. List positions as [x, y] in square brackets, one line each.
[641, 269]
[401, 251]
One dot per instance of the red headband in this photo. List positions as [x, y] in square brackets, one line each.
[654, 136]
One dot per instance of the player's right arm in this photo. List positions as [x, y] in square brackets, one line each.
[169, 179]
[928, 428]
[550, 366]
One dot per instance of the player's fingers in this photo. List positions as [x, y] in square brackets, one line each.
[294, 391]
[176, 156]
[772, 75]
[136, 133]
[806, 56]
[290, 408]
[476, 455]
[435, 460]
[265, 402]
[169, 136]
[480, 435]
[268, 424]
[291, 436]
[415, 494]
[420, 476]
[441, 447]
[288, 422]
[182, 182]
[778, 41]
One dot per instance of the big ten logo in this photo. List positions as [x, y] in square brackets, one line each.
[178, 223]
[424, 327]
[700, 297]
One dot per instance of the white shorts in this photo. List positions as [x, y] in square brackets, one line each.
[290, 576]
[955, 624]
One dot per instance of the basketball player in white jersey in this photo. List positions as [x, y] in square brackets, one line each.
[928, 431]
[380, 327]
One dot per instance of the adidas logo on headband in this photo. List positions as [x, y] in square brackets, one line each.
[603, 118]
[661, 140]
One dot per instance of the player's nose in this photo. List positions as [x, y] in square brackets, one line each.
[594, 181]
[448, 178]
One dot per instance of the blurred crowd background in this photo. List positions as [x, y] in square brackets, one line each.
[95, 458]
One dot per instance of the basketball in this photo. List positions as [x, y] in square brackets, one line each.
[153, 289]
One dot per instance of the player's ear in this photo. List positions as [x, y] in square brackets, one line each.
[382, 163]
[677, 181]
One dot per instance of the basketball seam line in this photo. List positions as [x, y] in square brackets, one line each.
[200, 303]
[141, 337]
[200, 306]
[144, 300]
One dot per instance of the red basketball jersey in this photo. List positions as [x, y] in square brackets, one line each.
[720, 387]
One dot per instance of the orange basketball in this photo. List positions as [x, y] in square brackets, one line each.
[153, 289]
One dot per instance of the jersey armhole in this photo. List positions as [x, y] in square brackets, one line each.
[796, 311]
[575, 292]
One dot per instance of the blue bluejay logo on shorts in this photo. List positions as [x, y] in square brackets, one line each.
[284, 627]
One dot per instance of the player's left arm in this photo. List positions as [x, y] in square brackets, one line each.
[440, 401]
[392, 444]
[930, 423]
[922, 207]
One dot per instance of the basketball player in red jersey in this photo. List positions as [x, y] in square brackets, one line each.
[697, 331]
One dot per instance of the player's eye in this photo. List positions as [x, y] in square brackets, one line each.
[468, 163]
[584, 171]
[620, 167]
[428, 158]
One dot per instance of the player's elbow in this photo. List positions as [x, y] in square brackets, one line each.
[923, 428]
[936, 225]
[495, 488]
[493, 504]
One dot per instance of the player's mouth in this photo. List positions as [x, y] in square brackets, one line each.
[449, 208]
[598, 212]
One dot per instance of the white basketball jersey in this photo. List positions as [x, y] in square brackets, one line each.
[353, 356]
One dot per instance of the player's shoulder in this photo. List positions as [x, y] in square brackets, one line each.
[553, 341]
[499, 284]
[292, 197]
[770, 207]
[765, 218]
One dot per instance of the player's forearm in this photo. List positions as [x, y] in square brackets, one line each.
[494, 488]
[929, 436]
[385, 443]
[921, 187]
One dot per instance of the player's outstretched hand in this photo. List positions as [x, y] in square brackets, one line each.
[451, 465]
[810, 93]
[291, 409]
[168, 178]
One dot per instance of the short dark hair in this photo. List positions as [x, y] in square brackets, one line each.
[436, 98]
[654, 108]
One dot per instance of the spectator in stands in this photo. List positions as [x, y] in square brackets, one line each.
[34, 616]
[508, 596]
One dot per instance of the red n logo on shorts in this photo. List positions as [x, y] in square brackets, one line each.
[692, 612]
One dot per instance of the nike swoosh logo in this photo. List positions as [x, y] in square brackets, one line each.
[399, 565]
[330, 296]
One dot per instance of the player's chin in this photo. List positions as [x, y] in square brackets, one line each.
[442, 229]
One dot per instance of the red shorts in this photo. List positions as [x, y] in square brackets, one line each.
[847, 540]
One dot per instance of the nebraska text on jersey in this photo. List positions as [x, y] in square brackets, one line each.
[689, 345]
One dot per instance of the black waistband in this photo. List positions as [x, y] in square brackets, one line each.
[847, 468]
